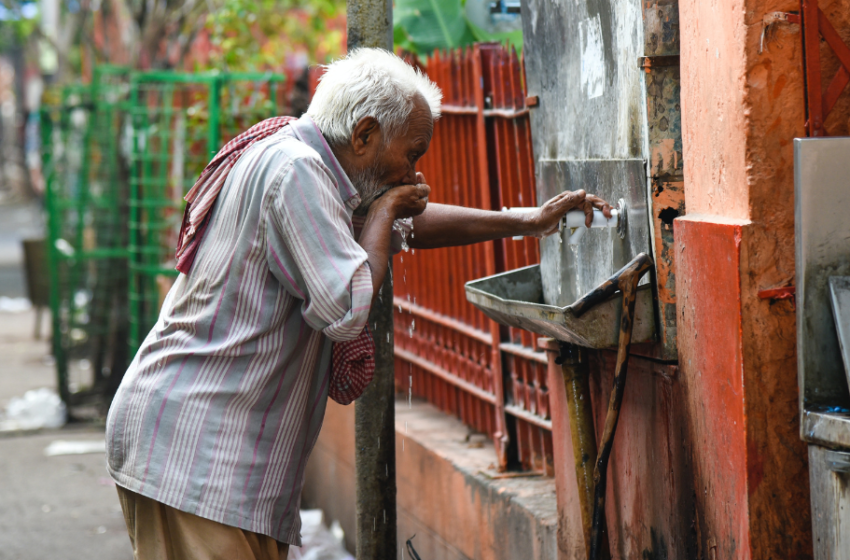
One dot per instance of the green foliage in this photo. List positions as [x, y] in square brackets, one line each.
[423, 26]
[251, 35]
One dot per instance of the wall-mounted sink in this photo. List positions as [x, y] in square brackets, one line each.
[515, 299]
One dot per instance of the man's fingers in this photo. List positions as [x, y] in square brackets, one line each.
[420, 177]
[588, 213]
[568, 200]
[423, 190]
[600, 204]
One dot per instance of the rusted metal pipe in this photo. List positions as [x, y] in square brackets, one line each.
[626, 281]
[573, 362]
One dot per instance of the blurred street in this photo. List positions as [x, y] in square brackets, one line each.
[21, 220]
[52, 507]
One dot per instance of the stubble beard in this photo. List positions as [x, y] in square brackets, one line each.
[368, 186]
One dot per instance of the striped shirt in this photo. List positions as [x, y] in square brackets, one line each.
[221, 406]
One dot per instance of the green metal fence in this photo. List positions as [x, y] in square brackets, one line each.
[179, 122]
[86, 203]
[118, 156]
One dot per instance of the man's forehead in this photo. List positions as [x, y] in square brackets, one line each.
[420, 123]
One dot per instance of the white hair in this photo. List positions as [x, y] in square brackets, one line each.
[369, 83]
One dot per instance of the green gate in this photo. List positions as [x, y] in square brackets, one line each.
[179, 122]
[86, 202]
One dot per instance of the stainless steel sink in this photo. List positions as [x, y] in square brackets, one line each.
[515, 299]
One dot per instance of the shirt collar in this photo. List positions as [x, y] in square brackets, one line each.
[308, 132]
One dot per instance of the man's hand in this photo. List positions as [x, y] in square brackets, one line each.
[545, 220]
[405, 201]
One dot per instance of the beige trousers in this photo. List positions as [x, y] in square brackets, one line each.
[160, 532]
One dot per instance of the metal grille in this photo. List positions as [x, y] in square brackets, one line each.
[179, 122]
[492, 378]
[86, 207]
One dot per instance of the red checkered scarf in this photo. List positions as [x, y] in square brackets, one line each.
[353, 361]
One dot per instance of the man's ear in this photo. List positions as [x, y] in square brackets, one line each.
[365, 135]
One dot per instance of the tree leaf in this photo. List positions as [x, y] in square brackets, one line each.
[431, 24]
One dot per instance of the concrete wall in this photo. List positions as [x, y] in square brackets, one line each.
[447, 496]
[741, 110]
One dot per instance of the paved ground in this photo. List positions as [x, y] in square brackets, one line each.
[50, 507]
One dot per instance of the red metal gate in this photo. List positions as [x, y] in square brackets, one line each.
[492, 378]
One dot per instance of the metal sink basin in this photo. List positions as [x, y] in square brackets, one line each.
[515, 299]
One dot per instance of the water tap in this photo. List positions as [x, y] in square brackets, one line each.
[574, 220]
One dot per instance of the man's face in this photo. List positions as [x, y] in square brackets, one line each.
[393, 163]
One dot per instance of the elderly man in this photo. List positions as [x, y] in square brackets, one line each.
[284, 248]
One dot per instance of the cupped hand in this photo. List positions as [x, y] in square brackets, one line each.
[406, 201]
[547, 218]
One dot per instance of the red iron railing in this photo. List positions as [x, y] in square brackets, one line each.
[448, 352]
[820, 102]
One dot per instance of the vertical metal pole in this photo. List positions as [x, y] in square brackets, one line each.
[214, 130]
[811, 57]
[370, 25]
[501, 438]
[573, 361]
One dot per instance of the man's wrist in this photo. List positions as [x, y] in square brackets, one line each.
[382, 209]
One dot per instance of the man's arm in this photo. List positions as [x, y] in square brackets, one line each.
[375, 237]
[443, 225]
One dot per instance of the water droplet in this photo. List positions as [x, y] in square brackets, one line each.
[388, 338]
[405, 426]
[402, 258]
[413, 251]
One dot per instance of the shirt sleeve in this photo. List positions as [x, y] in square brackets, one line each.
[312, 252]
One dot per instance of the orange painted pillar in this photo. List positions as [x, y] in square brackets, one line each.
[742, 105]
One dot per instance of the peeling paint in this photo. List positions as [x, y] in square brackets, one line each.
[592, 59]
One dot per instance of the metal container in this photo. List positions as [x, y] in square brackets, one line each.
[605, 74]
[822, 197]
[516, 299]
[591, 131]
[568, 271]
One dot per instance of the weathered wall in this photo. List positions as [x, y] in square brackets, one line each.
[712, 375]
[741, 110]
[445, 494]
